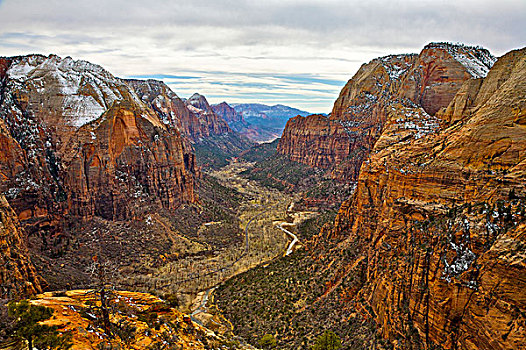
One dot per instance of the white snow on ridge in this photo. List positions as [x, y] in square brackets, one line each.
[81, 110]
[194, 109]
[20, 71]
[396, 65]
[84, 90]
[416, 120]
[477, 67]
[477, 60]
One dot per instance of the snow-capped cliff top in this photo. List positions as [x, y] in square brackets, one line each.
[199, 103]
[396, 65]
[476, 59]
[82, 89]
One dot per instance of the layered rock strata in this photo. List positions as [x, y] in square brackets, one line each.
[345, 138]
[77, 141]
[439, 217]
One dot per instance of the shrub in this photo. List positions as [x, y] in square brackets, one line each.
[268, 341]
[327, 341]
[27, 326]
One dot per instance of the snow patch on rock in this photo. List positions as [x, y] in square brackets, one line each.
[83, 90]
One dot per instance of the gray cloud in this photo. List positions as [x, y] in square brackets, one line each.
[327, 37]
[498, 24]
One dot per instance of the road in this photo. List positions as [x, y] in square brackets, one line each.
[294, 239]
[202, 306]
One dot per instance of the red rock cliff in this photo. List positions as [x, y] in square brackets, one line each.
[439, 216]
[228, 113]
[18, 277]
[203, 130]
[194, 123]
[210, 121]
[78, 141]
[346, 137]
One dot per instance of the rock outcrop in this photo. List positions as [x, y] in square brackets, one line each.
[214, 124]
[194, 117]
[439, 217]
[428, 80]
[203, 130]
[170, 108]
[78, 142]
[229, 114]
[18, 277]
[143, 322]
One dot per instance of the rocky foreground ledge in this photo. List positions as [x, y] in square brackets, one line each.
[139, 321]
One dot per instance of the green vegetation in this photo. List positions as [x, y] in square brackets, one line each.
[27, 325]
[327, 341]
[267, 341]
[172, 300]
[288, 297]
[312, 226]
[318, 189]
[281, 173]
[214, 151]
[260, 152]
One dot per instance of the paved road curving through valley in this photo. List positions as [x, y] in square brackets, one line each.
[294, 239]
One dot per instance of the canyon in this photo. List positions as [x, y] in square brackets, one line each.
[409, 200]
[428, 252]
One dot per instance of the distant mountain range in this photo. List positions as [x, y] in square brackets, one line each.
[258, 122]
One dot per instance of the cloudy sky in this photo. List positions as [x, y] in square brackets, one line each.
[294, 52]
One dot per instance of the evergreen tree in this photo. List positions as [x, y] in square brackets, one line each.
[327, 341]
[28, 318]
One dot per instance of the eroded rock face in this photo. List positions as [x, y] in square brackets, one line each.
[18, 277]
[210, 121]
[428, 80]
[76, 141]
[439, 215]
[228, 113]
[194, 118]
[203, 130]
[136, 163]
[170, 108]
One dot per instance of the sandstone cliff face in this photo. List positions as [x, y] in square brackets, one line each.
[203, 130]
[77, 141]
[439, 71]
[439, 216]
[136, 163]
[210, 121]
[428, 80]
[194, 118]
[170, 108]
[229, 114]
[18, 277]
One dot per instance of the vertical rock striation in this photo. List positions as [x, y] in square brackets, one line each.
[439, 215]
[428, 80]
[18, 277]
[78, 142]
